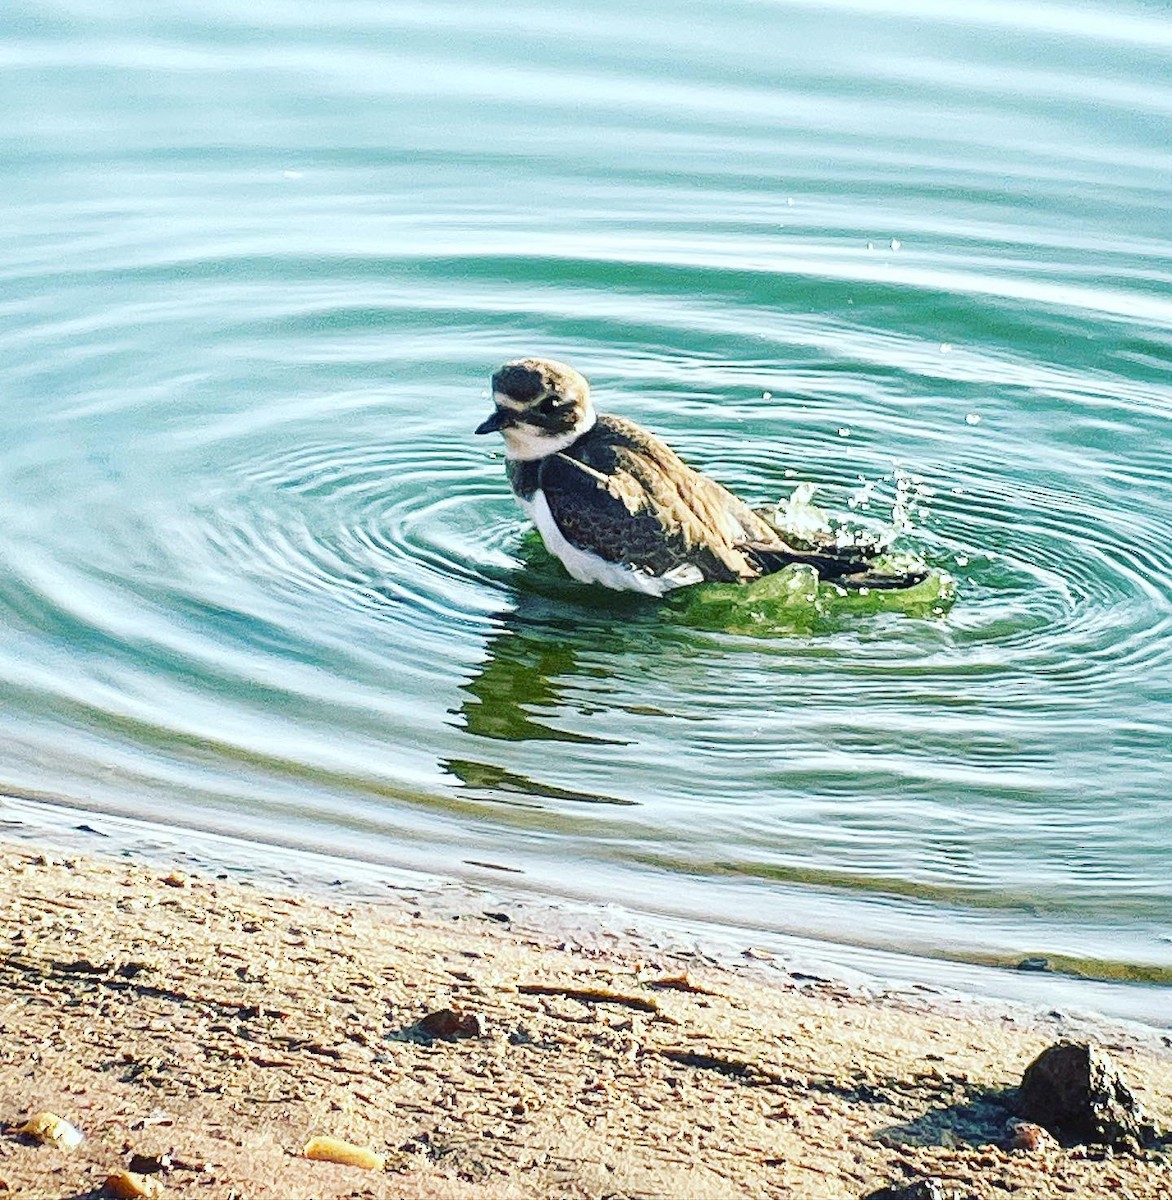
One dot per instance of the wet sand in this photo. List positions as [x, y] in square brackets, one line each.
[217, 1027]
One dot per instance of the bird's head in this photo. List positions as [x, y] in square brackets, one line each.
[542, 407]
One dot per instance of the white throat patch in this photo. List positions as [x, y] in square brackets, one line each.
[523, 443]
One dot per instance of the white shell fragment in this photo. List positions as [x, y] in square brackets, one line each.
[51, 1130]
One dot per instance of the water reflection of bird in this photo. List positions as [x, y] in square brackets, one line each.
[518, 694]
[618, 507]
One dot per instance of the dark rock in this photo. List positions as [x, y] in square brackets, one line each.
[149, 1164]
[82, 966]
[918, 1189]
[1074, 1090]
[450, 1024]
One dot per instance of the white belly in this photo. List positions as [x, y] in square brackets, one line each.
[591, 568]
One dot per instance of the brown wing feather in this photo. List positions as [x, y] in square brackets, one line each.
[625, 495]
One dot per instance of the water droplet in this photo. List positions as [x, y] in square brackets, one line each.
[972, 418]
[896, 243]
[790, 201]
[962, 560]
[870, 245]
[945, 347]
[766, 395]
[844, 432]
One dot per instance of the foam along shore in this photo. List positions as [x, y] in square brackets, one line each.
[203, 1033]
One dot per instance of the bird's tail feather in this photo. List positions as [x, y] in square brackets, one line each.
[847, 566]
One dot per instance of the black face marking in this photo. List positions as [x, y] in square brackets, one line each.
[554, 413]
[553, 404]
[519, 383]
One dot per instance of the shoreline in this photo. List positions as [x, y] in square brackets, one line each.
[227, 1022]
[48, 823]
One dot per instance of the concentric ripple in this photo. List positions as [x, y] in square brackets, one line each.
[395, 524]
[260, 578]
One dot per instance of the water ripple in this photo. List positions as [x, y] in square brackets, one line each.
[259, 575]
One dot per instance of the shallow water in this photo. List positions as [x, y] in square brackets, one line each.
[260, 578]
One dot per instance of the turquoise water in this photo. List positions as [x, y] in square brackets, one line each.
[260, 579]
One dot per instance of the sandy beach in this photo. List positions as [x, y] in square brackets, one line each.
[212, 1028]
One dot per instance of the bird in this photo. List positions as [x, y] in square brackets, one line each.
[618, 507]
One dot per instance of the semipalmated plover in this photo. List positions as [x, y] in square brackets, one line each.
[618, 507]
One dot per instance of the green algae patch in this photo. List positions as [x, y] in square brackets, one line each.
[794, 600]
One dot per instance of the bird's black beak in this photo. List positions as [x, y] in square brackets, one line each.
[495, 423]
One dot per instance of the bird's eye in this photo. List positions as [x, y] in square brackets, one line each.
[552, 404]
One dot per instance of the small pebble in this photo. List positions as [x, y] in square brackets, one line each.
[335, 1150]
[1025, 1135]
[128, 1185]
[450, 1024]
